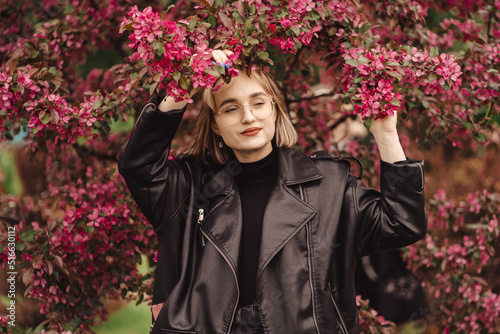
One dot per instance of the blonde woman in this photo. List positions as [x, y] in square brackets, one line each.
[254, 235]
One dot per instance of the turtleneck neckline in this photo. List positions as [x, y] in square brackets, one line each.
[261, 171]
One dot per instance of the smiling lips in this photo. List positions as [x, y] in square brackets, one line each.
[251, 131]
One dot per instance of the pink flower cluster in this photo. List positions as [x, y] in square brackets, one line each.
[65, 266]
[375, 76]
[452, 267]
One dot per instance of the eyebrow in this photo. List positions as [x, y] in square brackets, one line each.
[232, 100]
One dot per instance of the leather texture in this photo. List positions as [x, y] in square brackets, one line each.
[310, 246]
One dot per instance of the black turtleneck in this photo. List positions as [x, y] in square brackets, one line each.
[255, 183]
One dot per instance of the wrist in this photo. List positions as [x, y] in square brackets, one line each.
[386, 136]
[168, 103]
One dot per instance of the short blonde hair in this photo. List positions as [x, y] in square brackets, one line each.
[206, 141]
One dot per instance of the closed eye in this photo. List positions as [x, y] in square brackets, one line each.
[230, 110]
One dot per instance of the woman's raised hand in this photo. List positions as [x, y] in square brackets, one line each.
[386, 135]
[221, 56]
[168, 103]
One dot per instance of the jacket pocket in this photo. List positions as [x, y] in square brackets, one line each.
[176, 331]
[340, 321]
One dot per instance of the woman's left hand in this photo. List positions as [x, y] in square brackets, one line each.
[384, 125]
[386, 135]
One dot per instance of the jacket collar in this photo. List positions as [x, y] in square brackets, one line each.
[294, 167]
[284, 216]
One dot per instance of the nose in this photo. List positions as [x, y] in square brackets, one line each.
[247, 117]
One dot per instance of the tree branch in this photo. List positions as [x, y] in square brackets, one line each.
[287, 71]
[83, 151]
[11, 219]
[341, 120]
[308, 98]
[488, 33]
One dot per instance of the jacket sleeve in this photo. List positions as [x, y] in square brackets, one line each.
[157, 184]
[395, 216]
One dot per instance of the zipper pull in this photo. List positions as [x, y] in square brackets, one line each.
[201, 215]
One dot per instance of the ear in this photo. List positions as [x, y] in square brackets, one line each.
[215, 128]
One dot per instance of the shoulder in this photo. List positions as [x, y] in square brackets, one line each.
[325, 159]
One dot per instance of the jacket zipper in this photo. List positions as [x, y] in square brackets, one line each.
[310, 278]
[228, 262]
[201, 217]
[341, 324]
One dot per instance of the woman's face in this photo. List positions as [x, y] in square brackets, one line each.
[250, 138]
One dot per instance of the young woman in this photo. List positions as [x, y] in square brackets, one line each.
[255, 236]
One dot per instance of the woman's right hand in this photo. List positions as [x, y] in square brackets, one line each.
[221, 56]
[168, 103]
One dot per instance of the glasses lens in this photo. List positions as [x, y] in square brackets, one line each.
[231, 114]
[261, 107]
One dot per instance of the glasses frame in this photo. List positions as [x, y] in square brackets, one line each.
[251, 110]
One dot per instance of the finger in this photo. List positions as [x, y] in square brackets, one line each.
[228, 52]
[216, 56]
[223, 56]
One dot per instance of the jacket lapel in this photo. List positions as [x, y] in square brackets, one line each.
[285, 215]
[285, 212]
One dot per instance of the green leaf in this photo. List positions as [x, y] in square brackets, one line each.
[138, 258]
[238, 18]
[476, 226]
[158, 47]
[29, 235]
[53, 71]
[395, 74]
[249, 26]
[365, 28]
[298, 45]
[176, 76]
[96, 104]
[212, 71]
[481, 137]
[392, 63]
[363, 60]
[153, 87]
[262, 23]
[434, 51]
[184, 82]
[251, 40]
[396, 102]
[212, 21]
[468, 125]
[129, 26]
[495, 119]
[141, 298]
[352, 62]
[45, 118]
[312, 16]
[263, 55]
[295, 29]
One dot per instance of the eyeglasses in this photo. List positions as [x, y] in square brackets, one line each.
[261, 107]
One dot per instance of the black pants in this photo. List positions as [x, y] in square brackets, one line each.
[247, 320]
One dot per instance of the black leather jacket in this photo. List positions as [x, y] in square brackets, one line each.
[319, 221]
